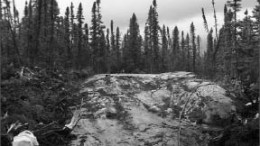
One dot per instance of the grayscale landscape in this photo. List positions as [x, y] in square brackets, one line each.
[129, 72]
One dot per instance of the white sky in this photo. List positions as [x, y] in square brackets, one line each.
[171, 12]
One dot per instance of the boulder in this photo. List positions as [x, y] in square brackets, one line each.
[146, 109]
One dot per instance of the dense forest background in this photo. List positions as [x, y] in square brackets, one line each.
[45, 38]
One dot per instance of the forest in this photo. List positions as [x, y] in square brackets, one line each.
[44, 39]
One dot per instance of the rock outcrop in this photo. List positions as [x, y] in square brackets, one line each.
[144, 109]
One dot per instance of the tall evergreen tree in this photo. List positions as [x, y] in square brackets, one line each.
[117, 48]
[147, 49]
[52, 49]
[80, 36]
[164, 63]
[94, 37]
[113, 47]
[1, 10]
[199, 62]
[102, 62]
[155, 37]
[183, 52]
[193, 40]
[236, 6]
[152, 38]
[125, 52]
[209, 55]
[175, 50]
[67, 37]
[228, 42]
[188, 52]
[87, 54]
[108, 57]
[112, 36]
[133, 54]
[72, 31]
[97, 38]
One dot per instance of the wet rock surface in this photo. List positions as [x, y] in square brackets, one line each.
[144, 109]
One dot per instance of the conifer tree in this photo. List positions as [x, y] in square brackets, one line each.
[113, 49]
[194, 53]
[188, 52]
[112, 36]
[87, 54]
[52, 49]
[108, 57]
[209, 55]
[67, 36]
[94, 37]
[133, 52]
[98, 41]
[169, 38]
[183, 52]
[236, 6]
[117, 48]
[102, 62]
[164, 54]
[1, 10]
[198, 56]
[155, 37]
[80, 35]
[72, 31]
[175, 50]
[125, 48]
[147, 49]
[37, 31]
[152, 39]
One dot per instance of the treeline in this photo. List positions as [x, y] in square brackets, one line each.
[45, 38]
[233, 54]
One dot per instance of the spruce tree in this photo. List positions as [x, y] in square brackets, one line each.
[125, 48]
[198, 55]
[108, 57]
[98, 41]
[72, 32]
[164, 63]
[87, 54]
[113, 49]
[194, 50]
[147, 49]
[1, 11]
[236, 6]
[117, 48]
[152, 38]
[133, 53]
[112, 36]
[79, 36]
[94, 37]
[209, 55]
[183, 52]
[102, 62]
[52, 49]
[67, 36]
[187, 50]
[175, 50]
[155, 37]
[38, 31]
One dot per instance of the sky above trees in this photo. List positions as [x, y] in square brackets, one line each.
[171, 12]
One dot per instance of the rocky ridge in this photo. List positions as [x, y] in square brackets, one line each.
[150, 109]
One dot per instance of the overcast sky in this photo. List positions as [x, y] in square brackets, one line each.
[171, 12]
